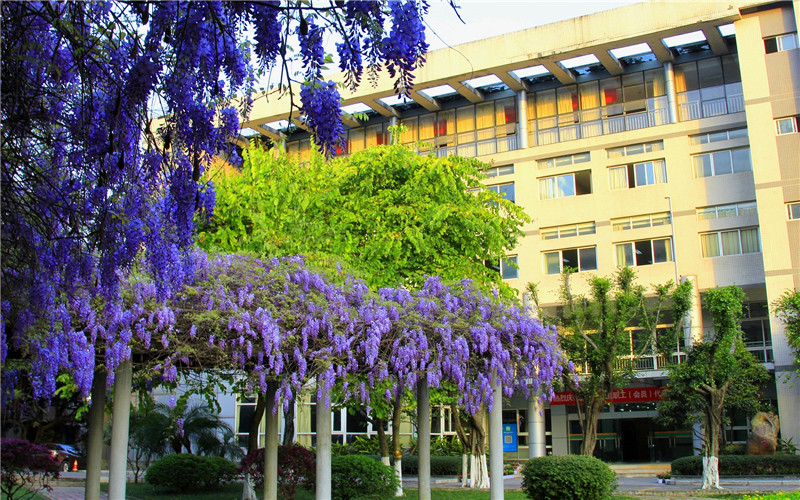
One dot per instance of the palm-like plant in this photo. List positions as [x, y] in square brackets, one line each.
[183, 427]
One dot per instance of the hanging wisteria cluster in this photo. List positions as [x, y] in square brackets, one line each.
[90, 181]
[277, 321]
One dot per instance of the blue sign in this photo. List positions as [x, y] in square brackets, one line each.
[509, 437]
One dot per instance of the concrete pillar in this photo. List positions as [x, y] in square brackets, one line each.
[424, 439]
[94, 456]
[496, 490]
[672, 94]
[522, 119]
[394, 138]
[272, 416]
[120, 420]
[537, 434]
[323, 444]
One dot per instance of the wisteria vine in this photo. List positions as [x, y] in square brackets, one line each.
[90, 181]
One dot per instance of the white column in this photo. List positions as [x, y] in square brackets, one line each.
[537, 435]
[522, 119]
[272, 415]
[424, 439]
[323, 445]
[496, 490]
[120, 420]
[672, 94]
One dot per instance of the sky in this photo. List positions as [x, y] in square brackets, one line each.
[485, 18]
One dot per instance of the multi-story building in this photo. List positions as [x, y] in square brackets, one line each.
[657, 135]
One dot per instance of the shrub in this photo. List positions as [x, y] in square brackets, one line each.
[360, 476]
[568, 477]
[741, 465]
[733, 449]
[440, 466]
[447, 446]
[184, 471]
[26, 467]
[297, 466]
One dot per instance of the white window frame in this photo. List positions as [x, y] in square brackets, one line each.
[787, 41]
[632, 252]
[793, 210]
[562, 161]
[711, 137]
[792, 121]
[496, 189]
[650, 177]
[710, 155]
[653, 220]
[631, 149]
[737, 208]
[560, 253]
[498, 171]
[568, 230]
[720, 246]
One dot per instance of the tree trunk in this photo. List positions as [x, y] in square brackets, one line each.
[380, 425]
[713, 429]
[255, 423]
[398, 450]
[94, 456]
[288, 425]
[589, 424]
[480, 472]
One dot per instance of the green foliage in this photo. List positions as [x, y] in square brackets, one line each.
[387, 214]
[446, 446]
[741, 465]
[183, 471]
[787, 308]
[440, 465]
[719, 374]
[568, 477]
[594, 332]
[26, 468]
[358, 476]
[733, 449]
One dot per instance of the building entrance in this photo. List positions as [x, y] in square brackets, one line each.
[636, 439]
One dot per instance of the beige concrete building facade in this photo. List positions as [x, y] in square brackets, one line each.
[661, 135]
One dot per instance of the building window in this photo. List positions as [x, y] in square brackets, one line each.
[731, 210]
[794, 210]
[637, 174]
[756, 330]
[733, 242]
[640, 221]
[562, 186]
[643, 252]
[788, 125]
[780, 43]
[498, 171]
[507, 268]
[580, 259]
[635, 149]
[568, 230]
[722, 135]
[245, 410]
[561, 161]
[504, 190]
[728, 161]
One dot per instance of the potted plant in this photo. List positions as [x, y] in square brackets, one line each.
[663, 477]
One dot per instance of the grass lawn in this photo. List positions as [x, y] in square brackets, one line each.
[234, 491]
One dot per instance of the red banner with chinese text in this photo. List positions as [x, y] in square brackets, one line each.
[624, 395]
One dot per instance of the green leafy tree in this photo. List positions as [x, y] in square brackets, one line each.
[595, 334]
[719, 375]
[387, 214]
[787, 307]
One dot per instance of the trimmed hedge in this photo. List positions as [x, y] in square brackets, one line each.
[358, 476]
[741, 465]
[184, 471]
[568, 477]
[440, 465]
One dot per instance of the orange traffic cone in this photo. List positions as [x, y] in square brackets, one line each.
[75, 466]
